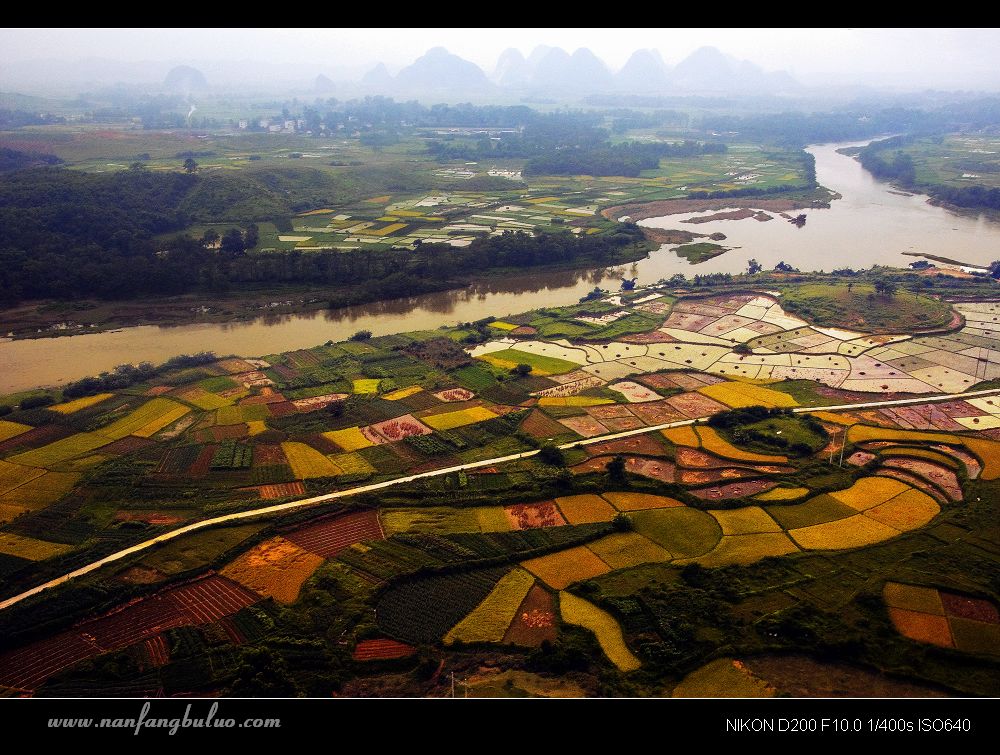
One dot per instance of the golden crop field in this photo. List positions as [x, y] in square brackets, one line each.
[488, 621]
[501, 325]
[147, 420]
[745, 521]
[562, 568]
[203, 399]
[621, 550]
[913, 598]
[41, 491]
[237, 415]
[463, 417]
[712, 441]
[402, 393]
[738, 395]
[583, 613]
[11, 429]
[76, 405]
[29, 547]
[14, 475]
[351, 463]
[747, 549]
[350, 438]
[276, 568]
[256, 427]
[723, 677]
[444, 519]
[906, 511]
[682, 436]
[60, 450]
[782, 494]
[573, 401]
[8, 513]
[586, 508]
[870, 491]
[307, 462]
[850, 532]
[640, 501]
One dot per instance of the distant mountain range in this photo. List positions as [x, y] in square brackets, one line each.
[552, 70]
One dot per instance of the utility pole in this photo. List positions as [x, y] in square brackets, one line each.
[452, 683]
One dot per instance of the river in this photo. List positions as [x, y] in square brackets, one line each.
[870, 225]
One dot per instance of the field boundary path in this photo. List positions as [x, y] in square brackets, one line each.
[325, 497]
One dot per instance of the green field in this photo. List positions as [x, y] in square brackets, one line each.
[861, 308]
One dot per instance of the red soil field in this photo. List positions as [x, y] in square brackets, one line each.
[40, 436]
[321, 444]
[703, 476]
[539, 425]
[654, 337]
[695, 405]
[733, 490]
[969, 608]
[268, 456]
[620, 424]
[380, 650]
[612, 411]
[200, 602]
[158, 390]
[933, 473]
[656, 412]
[282, 408]
[329, 537]
[525, 516]
[637, 444]
[150, 517]
[535, 620]
[227, 432]
[280, 490]
[267, 396]
[918, 482]
[656, 469]
[232, 632]
[288, 373]
[203, 463]
[156, 650]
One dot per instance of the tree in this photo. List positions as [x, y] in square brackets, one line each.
[885, 287]
[232, 242]
[753, 267]
[210, 237]
[521, 369]
[361, 335]
[616, 469]
[190, 166]
[552, 455]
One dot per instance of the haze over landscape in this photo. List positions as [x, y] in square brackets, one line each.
[504, 362]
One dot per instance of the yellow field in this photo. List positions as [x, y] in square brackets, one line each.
[500, 325]
[444, 519]
[745, 521]
[988, 452]
[41, 491]
[723, 677]
[640, 501]
[14, 475]
[503, 364]
[324, 211]
[10, 429]
[573, 401]
[682, 436]
[907, 511]
[541, 200]
[384, 199]
[366, 385]
[835, 417]
[870, 491]
[60, 450]
[203, 399]
[29, 547]
[489, 620]
[256, 427]
[9, 513]
[307, 462]
[850, 532]
[408, 213]
[921, 453]
[385, 231]
[624, 549]
[712, 441]
[738, 395]
[782, 494]
[561, 569]
[463, 417]
[276, 568]
[913, 598]
[147, 420]
[402, 393]
[747, 549]
[351, 463]
[350, 438]
[586, 508]
[578, 611]
[81, 403]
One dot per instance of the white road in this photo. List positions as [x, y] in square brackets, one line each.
[320, 499]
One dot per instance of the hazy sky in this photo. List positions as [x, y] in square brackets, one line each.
[934, 55]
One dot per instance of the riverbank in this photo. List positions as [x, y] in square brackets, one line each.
[52, 319]
[644, 210]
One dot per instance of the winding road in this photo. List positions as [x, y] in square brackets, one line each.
[319, 499]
